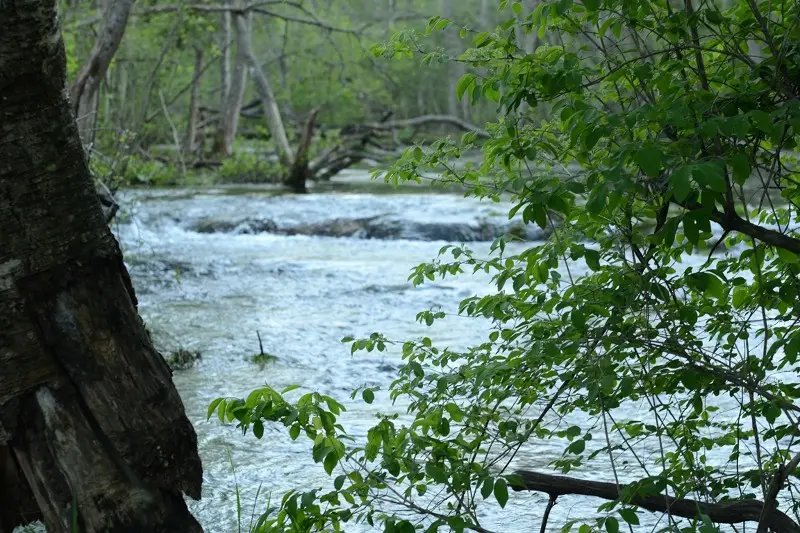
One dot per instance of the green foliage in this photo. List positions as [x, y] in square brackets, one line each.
[249, 167]
[262, 359]
[139, 171]
[182, 359]
[624, 338]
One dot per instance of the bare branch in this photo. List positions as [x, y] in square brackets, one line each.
[724, 512]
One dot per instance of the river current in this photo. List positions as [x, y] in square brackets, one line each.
[211, 290]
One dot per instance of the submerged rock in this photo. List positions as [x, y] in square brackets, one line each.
[378, 227]
[389, 228]
[244, 226]
[182, 359]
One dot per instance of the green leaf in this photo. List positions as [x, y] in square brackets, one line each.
[290, 388]
[368, 395]
[331, 460]
[740, 295]
[681, 183]
[597, 199]
[649, 160]
[612, 525]
[563, 6]
[710, 175]
[691, 228]
[540, 215]
[591, 137]
[792, 349]
[258, 429]
[213, 406]
[338, 483]
[463, 84]
[486, 489]
[577, 447]
[740, 164]
[592, 258]
[501, 491]
[592, 5]
[788, 256]
[221, 410]
[714, 16]
[762, 120]
[630, 516]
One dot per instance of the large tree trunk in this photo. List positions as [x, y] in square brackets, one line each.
[233, 99]
[86, 89]
[89, 417]
[268, 102]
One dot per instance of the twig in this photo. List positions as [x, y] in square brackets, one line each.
[175, 135]
[547, 510]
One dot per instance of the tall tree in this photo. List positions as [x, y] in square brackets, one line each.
[233, 87]
[86, 89]
[91, 425]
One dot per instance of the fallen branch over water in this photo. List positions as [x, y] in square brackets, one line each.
[430, 119]
[725, 512]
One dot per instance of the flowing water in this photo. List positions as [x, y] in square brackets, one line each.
[213, 291]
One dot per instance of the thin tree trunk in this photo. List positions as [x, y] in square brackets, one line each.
[270, 105]
[225, 59]
[225, 44]
[190, 143]
[234, 95]
[299, 172]
[89, 417]
[486, 22]
[86, 89]
[455, 69]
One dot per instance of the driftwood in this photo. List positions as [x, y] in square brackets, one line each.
[724, 512]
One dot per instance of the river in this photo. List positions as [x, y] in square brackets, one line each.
[211, 290]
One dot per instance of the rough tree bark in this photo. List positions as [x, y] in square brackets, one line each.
[89, 418]
[234, 97]
[86, 89]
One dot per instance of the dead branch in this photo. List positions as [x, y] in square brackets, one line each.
[430, 119]
[724, 512]
[256, 7]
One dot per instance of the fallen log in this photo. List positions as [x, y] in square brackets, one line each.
[723, 512]
[430, 119]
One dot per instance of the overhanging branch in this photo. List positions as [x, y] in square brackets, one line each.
[725, 512]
